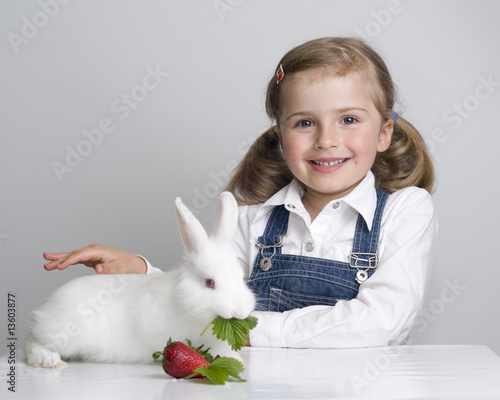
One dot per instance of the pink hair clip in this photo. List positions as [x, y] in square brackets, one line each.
[280, 74]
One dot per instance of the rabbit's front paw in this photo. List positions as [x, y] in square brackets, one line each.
[44, 358]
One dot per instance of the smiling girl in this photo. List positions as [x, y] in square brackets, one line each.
[337, 226]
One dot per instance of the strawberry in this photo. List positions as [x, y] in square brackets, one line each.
[184, 361]
[180, 360]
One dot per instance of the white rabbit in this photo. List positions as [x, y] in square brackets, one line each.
[126, 318]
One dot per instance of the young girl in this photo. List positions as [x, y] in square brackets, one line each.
[337, 226]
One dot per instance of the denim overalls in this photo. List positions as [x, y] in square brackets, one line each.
[282, 282]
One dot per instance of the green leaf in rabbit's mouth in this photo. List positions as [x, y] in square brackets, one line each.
[234, 331]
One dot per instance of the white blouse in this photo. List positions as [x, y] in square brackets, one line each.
[387, 304]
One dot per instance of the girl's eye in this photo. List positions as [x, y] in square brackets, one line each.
[209, 283]
[349, 120]
[305, 123]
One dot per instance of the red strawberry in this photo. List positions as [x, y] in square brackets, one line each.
[180, 360]
[184, 361]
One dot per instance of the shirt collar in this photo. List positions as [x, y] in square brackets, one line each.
[363, 198]
[290, 196]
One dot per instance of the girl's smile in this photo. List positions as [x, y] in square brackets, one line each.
[330, 131]
[327, 165]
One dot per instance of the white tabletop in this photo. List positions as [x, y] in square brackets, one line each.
[403, 372]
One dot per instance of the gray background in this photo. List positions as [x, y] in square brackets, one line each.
[65, 68]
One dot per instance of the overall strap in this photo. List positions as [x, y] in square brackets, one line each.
[364, 248]
[276, 228]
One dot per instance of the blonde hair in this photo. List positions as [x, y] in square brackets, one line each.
[407, 162]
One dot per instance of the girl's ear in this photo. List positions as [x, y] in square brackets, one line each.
[278, 134]
[385, 135]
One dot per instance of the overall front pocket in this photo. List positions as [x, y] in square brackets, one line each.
[281, 300]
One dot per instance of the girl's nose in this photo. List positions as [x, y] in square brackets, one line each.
[327, 137]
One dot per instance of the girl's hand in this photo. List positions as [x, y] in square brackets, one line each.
[104, 260]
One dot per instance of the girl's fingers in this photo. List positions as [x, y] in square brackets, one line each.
[56, 264]
[64, 260]
[51, 265]
[77, 257]
[53, 256]
[55, 260]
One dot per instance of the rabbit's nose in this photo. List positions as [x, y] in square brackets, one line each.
[226, 314]
[230, 313]
[240, 313]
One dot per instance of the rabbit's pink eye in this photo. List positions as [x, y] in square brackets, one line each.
[209, 283]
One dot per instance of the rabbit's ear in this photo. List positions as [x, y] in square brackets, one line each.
[192, 232]
[227, 217]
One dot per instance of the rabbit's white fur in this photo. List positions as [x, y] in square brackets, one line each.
[126, 318]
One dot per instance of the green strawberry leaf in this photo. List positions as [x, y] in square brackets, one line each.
[157, 355]
[233, 366]
[213, 373]
[234, 331]
[220, 370]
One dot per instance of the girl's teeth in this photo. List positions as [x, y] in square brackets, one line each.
[328, 164]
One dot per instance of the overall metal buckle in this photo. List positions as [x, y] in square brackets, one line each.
[369, 258]
[265, 263]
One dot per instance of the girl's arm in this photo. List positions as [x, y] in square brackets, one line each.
[104, 260]
[387, 305]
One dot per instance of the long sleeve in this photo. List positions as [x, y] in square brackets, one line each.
[150, 268]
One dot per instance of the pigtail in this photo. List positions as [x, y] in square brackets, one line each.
[406, 162]
[261, 173]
